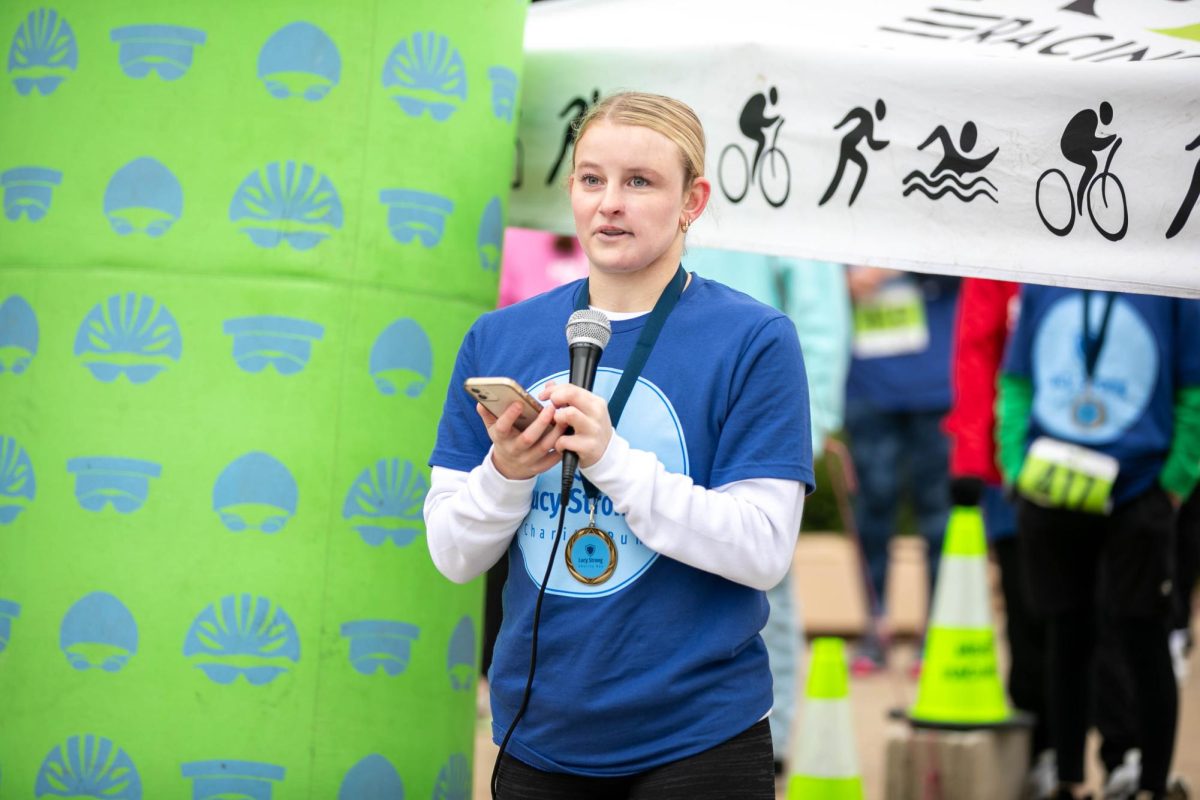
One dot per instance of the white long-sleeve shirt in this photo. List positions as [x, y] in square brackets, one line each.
[744, 531]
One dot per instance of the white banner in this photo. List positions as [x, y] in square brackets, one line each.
[949, 136]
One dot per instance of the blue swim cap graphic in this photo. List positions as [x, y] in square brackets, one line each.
[299, 60]
[9, 610]
[460, 656]
[232, 780]
[402, 359]
[42, 53]
[380, 644]
[416, 215]
[286, 201]
[387, 502]
[99, 632]
[491, 236]
[373, 778]
[128, 334]
[163, 49]
[454, 779]
[504, 92]
[28, 191]
[18, 335]
[242, 635]
[284, 343]
[255, 492]
[18, 486]
[103, 480]
[145, 196]
[425, 73]
[88, 766]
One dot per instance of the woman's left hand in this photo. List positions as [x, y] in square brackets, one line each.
[587, 414]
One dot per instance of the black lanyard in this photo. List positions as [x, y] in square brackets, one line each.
[641, 351]
[1093, 344]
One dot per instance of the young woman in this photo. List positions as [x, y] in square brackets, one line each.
[651, 677]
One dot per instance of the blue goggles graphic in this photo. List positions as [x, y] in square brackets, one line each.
[414, 107]
[45, 85]
[375, 536]
[226, 674]
[299, 240]
[136, 373]
[270, 525]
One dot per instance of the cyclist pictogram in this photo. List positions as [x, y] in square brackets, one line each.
[1079, 145]
[736, 173]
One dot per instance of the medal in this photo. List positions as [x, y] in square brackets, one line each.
[591, 553]
[1088, 410]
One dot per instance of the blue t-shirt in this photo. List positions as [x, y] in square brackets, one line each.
[662, 661]
[917, 381]
[1151, 349]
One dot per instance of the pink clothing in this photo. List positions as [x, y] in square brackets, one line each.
[535, 261]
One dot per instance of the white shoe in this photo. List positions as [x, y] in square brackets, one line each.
[1122, 783]
[1042, 780]
[1179, 653]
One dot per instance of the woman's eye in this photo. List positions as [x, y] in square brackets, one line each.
[639, 182]
[590, 180]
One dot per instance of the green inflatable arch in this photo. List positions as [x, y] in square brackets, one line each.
[241, 243]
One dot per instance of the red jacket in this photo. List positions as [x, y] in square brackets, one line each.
[984, 319]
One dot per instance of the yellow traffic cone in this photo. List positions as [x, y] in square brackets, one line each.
[824, 761]
[960, 684]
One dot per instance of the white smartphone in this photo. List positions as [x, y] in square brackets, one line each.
[497, 394]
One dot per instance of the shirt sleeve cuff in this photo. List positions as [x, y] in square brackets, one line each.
[611, 464]
[509, 495]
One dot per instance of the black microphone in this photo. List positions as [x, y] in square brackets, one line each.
[588, 333]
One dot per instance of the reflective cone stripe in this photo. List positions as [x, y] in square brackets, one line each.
[960, 683]
[824, 763]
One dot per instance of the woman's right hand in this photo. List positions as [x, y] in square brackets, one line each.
[517, 454]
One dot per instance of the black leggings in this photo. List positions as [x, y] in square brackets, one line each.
[742, 768]
[1072, 643]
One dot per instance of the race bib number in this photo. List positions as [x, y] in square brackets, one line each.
[1061, 475]
[891, 323]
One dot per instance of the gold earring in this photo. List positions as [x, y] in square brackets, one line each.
[687, 223]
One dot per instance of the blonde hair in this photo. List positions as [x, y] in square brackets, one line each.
[666, 115]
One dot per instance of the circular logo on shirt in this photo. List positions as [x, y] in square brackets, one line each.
[649, 422]
[1124, 379]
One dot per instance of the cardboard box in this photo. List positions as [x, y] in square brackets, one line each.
[982, 764]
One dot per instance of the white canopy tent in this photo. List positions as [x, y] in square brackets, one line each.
[930, 135]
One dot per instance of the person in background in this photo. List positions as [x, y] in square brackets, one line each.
[537, 261]
[897, 392]
[1099, 436]
[814, 295]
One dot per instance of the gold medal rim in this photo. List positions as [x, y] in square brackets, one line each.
[612, 552]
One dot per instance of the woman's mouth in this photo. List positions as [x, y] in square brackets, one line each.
[609, 232]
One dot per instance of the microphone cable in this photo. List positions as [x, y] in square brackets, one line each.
[567, 481]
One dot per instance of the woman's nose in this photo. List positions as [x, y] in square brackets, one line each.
[612, 202]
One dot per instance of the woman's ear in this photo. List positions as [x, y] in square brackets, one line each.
[695, 199]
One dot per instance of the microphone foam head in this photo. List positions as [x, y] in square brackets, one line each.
[588, 327]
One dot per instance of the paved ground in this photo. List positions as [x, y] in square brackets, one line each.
[872, 698]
